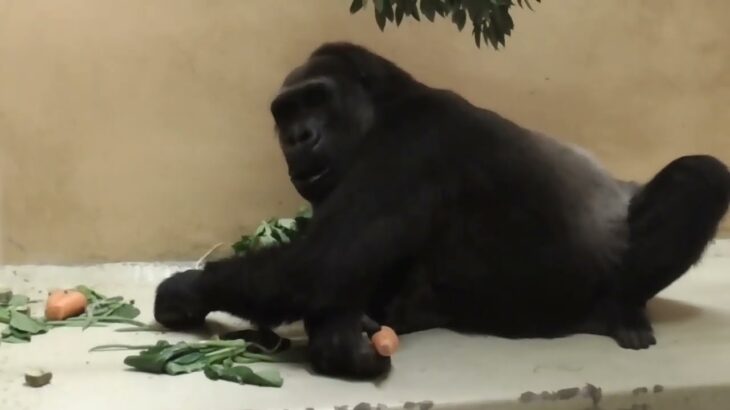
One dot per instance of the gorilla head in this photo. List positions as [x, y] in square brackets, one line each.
[326, 108]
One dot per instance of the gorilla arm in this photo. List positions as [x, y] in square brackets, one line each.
[352, 239]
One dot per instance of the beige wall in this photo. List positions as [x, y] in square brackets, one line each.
[139, 129]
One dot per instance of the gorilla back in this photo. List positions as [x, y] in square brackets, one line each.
[432, 212]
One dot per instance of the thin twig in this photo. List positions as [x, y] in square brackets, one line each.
[201, 261]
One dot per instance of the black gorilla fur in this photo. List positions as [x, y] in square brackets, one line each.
[432, 212]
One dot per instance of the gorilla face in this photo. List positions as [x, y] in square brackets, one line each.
[322, 112]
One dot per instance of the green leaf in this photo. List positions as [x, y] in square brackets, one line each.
[498, 24]
[477, 9]
[428, 9]
[25, 323]
[190, 358]
[388, 10]
[245, 360]
[103, 309]
[174, 369]
[17, 339]
[244, 375]
[111, 301]
[119, 319]
[305, 212]
[380, 19]
[126, 310]
[243, 245]
[66, 323]
[477, 35]
[97, 320]
[493, 35]
[146, 328]
[279, 235]
[416, 15]
[527, 2]
[398, 15]
[89, 316]
[259, 357]
[91, 295]
[379, 5]
[12, 335]
[4, 315]
[266, 241]
[153, 360]
[115, 347]
[18, 300]
[356, 6]
[287, 223]
[187, 363]
[459, 18]
[221, 355]
[271, 376]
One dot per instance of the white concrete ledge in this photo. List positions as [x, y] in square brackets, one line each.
[688, 369]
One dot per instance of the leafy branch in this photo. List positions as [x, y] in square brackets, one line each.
[274, 231]
[490, 19]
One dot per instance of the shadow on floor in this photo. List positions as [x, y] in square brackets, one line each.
[663, 310]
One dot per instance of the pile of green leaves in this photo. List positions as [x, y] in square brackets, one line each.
[490, 19]
[274, 231]
[100, 311]
[14, 313]
[218, 359]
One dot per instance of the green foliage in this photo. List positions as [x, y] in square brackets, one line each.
[100, 311]
[216, 358]
[274, 231]
[24, 323]
[490, 19]
[20, 326]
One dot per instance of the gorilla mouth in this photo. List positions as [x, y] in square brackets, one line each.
[310, 177]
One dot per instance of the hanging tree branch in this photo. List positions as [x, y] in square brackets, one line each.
[490, 19]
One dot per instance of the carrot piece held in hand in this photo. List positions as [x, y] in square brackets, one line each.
[385, 341]
[63, 304]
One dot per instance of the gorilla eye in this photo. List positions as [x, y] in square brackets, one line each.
[316, 95]
[283, 109]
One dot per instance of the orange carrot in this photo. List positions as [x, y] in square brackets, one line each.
[63, 304]
[385, 341]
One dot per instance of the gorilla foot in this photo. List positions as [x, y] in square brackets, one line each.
[634, 338]
[628, 326]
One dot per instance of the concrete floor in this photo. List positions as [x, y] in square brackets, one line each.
[688, 369]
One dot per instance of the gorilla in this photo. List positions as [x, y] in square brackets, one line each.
[431, 212]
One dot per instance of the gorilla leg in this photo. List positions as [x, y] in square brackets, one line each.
[671, 221]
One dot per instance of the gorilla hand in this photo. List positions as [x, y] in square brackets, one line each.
[179, 304]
